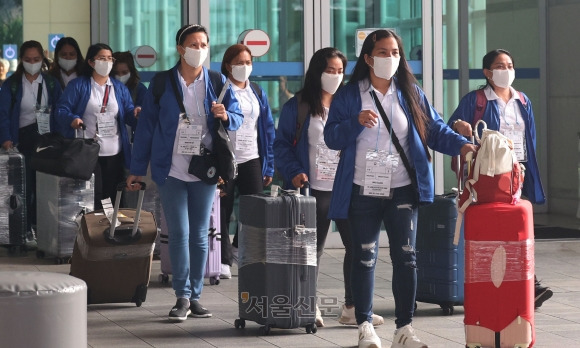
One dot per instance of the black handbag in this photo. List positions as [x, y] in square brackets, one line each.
[227, 167]
[204, 166]
[72, 158]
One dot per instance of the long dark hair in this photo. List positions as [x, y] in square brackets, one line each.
[311, 93]
[23, 48]
[91, 54]
[127, 58]
[55, 68]
[406, 81]
[488, 60]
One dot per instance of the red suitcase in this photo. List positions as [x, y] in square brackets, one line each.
[499, 275]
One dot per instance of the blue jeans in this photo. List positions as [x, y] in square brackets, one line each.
[187, 207]
[399, 214]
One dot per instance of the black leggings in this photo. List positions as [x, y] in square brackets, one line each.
[109, 172]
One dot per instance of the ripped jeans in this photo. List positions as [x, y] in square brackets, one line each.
[399, 215]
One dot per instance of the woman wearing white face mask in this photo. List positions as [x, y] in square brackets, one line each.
[68, 61]
[510, 112]
[252, 144]
[27, 101]
[383, 124]
[302, 156]
[104, 106]
[125, 71]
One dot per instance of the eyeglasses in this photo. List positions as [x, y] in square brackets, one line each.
[105, 59]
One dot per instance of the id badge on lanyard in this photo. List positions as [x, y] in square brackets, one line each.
[106, 123]
[43, 119]
[245, 136]
[326, 162]
[518, 137]
[380, 166]
[189, 136]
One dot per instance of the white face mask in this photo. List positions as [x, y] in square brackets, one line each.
[67, 64]
[385, 67]
[103, 67]
[32, 68]
[503, 78]
[195, 58]
[123, 78]
[241, 72]
[330, 82]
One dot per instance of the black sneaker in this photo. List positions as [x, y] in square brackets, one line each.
[180, 311]
[542, 294]
[197, 310]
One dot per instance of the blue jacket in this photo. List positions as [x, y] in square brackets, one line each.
[73, 104]
[343, 128]
[266, 133]
[291, 160]
[466, 110]
[158, 123]
[139, 94]
[10, 113]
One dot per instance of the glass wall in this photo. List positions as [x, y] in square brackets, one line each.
[280, 70]
[143, 22]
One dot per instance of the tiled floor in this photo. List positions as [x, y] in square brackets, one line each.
[124, 325]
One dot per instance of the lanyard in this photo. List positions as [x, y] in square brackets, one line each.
[515, 113]
[390, 129]
[105, 98]
[39, 95]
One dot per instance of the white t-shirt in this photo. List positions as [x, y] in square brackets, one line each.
[29, 98]
[110, 145]
[245, 139]
[193, 101]
[315, 141]
[67, 78]
[378, 137]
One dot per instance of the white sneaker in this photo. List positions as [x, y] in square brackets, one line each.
[225, 272]
[235, 255]
[318, 321]
[367, 337]
[405, 338]
[347, 317]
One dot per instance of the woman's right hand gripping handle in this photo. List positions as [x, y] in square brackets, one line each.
[133, 183]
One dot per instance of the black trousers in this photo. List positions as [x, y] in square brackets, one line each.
[27, 138]
[109, 172]
[248, 182]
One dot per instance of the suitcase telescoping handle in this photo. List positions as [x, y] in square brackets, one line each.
[306, 188]
[120, 187]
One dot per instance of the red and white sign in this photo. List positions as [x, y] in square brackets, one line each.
[145, 56]
[257, 41]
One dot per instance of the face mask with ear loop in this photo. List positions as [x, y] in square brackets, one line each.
[330, 82]
[503, 78]
[193, 57]
[385, 67]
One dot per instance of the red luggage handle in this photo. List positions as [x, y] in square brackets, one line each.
[120, 187]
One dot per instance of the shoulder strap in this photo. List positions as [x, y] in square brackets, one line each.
[480, 104]
[302, 113]
[216, 81]
[523, 98]
[159, 84]
[255, 87]
[177, 94]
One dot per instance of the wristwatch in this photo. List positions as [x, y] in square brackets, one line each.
[453, 125]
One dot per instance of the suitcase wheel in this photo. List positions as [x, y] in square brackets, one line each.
[447, 309]
[214, 281]
[240, 323]
[164, 278]
[264, 330]
[39, 254]
[311, 328]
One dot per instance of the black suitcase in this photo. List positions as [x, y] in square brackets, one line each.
[12, 201]
[277, 262]
[440, 263]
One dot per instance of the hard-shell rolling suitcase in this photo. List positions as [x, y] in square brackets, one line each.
[499, 275]
[214, 256]
[60, 203]
[277, 262]
[115, 262]
[12, 201]
[440, 263]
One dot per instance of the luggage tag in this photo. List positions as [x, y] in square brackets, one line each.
[189, 135]
[43, 119]
[380, 165]
[109, 210]
[326, 162]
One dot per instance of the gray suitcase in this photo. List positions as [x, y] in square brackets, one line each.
[60, 203]
[12, 201]
[277, 262]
